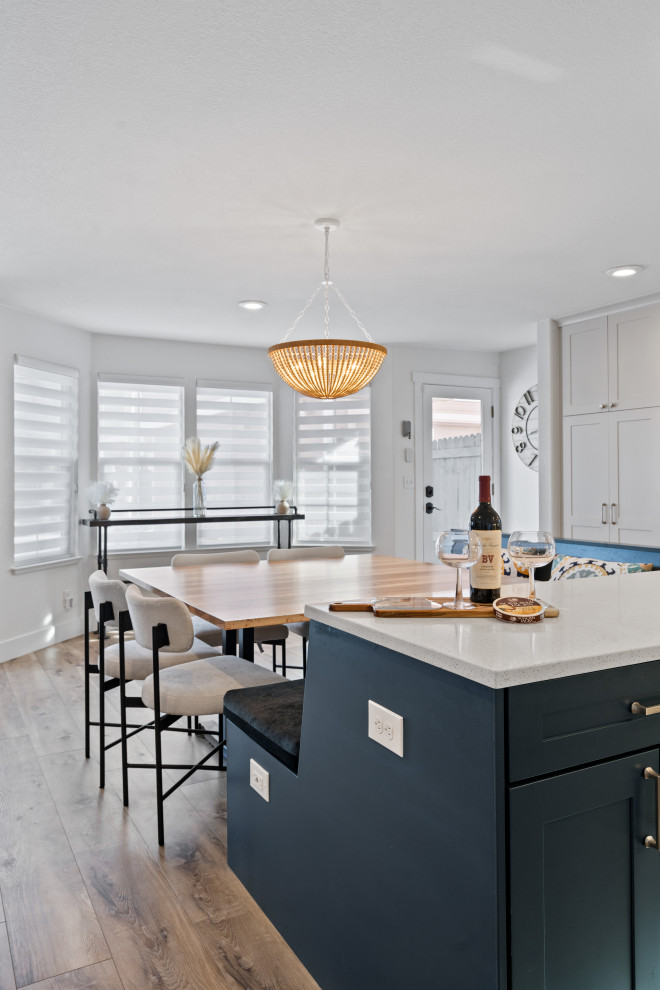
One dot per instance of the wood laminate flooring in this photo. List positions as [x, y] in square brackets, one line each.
[88, 901]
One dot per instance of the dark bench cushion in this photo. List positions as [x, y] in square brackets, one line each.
[272, 716]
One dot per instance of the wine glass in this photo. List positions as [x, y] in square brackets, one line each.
[531, 549]
[458, 548]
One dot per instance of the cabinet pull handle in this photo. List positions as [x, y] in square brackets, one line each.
[650, 774]
[614, 517]
[603, 513]
[638, 709]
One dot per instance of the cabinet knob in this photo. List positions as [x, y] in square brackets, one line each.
[603, 405]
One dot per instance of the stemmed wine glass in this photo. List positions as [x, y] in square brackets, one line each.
[458, 548]
[531, 549]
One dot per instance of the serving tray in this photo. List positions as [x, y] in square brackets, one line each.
[476, 612]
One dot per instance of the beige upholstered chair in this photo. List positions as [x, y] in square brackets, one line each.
[163, 627]
[263, 635]
[304, 553]
[122, 662]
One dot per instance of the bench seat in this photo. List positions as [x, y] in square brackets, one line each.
[271, 716]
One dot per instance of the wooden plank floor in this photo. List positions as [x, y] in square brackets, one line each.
[88, 901]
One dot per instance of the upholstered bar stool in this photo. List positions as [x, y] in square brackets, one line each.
[162, 626]
[122, 662]
[274, 635]
[304, 553]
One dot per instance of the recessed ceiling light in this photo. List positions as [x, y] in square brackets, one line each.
[252, 304]
[625, 271]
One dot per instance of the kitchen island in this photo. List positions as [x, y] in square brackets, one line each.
[513, 845]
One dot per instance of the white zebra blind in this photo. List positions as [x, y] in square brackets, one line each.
[140, 441]
[241, 420]
[333, 469]
[45, 458]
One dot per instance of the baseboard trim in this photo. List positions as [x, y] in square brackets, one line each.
[37, 639]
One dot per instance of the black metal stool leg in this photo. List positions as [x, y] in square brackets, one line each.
[123, 616]
[87, 606]
[157, 636]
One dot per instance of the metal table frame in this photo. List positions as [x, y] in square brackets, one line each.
[185, 516]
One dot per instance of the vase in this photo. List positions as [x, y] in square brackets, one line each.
[282, 507]
[103, 511]
[199, 497]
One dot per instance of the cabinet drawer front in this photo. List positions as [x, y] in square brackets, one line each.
[571, 721]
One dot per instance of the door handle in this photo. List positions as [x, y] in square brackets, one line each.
[603, 513]
[430, 507]
[614, 518]
[650, 774]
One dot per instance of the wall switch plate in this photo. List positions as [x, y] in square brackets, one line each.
[386, 728]
[408, 482]
[259, 780]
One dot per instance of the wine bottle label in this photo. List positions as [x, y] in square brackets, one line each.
[487, 572]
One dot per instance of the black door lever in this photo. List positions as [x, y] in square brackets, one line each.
[430, 507]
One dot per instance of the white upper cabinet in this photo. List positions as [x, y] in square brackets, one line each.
[612, 362]
[633, 344]
[585, 367]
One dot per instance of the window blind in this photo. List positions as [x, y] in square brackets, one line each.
[140, 441]
[333, 469]
[45, 459]
[241, 420]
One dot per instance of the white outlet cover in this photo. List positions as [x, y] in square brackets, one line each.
[259, 780]
[386, 728]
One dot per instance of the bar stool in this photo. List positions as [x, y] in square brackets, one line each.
[304, 553]
[163, 626]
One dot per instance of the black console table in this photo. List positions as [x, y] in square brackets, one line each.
[162, 517]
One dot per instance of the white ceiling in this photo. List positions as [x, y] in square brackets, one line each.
[162, 159]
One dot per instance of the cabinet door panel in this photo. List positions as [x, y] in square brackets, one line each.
[585, 366]
[585, 892]
[635, 476]
[586, 478]
[634, 358]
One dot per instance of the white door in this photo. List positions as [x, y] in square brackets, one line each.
[587, 477]
[457, 442]
[634, 476]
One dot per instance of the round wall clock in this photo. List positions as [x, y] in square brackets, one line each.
[525, 428]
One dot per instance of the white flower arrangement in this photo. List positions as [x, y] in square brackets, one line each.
[198, 459]
[102, 493]
[283, 490]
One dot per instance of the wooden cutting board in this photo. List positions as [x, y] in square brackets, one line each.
[476, 612]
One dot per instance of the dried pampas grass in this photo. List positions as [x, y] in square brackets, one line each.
[198, 459]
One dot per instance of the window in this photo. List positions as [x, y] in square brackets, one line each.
[333, 469]
[45, 455]
[140, 441]
[241, 420]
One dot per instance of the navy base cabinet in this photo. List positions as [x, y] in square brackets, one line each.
[504, 851]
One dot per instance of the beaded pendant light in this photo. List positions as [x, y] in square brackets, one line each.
[325, 368]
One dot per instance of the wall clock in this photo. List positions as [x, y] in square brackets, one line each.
[525, 428]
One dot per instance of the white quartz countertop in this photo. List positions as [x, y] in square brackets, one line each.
[603, 622]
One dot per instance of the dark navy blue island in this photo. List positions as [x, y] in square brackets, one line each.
[515, 843]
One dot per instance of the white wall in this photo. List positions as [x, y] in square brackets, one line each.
[519, 485]
[33, 614]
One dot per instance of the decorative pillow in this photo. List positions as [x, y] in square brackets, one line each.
[565, 567]
[634, 567]
[509, 567]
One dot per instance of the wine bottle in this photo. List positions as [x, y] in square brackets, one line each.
[486, 574]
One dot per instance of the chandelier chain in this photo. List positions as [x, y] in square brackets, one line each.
[326, 273]
[359, 322]
[301, 314]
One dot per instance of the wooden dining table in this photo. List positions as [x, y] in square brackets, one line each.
[240, 597]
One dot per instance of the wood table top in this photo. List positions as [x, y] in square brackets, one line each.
[235, 596]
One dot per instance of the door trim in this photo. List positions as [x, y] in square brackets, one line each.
[421, 378]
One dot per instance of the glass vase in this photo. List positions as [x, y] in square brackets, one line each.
[199, 497]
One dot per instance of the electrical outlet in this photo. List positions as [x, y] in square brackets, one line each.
[259, 780]
[67, 599]
[386, 728]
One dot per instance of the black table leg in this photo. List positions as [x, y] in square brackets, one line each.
[99, 549]
[229, 641]
[104, 530]
[246, 643]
